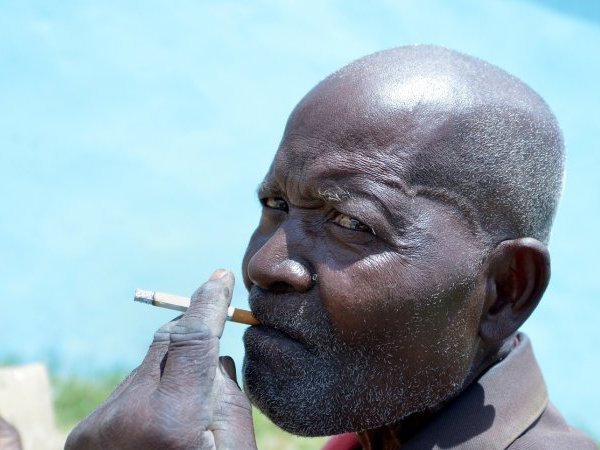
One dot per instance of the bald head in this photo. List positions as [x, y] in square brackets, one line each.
[456, 128]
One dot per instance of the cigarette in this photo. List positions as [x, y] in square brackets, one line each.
[180, 303]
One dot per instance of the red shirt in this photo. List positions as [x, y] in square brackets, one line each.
[347, 441]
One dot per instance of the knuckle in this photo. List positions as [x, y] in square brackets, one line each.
[162, 333]
[160, 336]
[197, 331]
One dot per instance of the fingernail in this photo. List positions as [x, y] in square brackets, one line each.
[217, 274]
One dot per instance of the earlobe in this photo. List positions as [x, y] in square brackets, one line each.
[518, 272]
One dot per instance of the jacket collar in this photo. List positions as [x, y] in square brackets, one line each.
[492, 412]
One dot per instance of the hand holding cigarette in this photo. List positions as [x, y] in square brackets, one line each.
[183, 395]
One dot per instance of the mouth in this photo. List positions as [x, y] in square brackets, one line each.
[282, 324]
[264, 340]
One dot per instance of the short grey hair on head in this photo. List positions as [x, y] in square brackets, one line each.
[473, 131]
[510, 167]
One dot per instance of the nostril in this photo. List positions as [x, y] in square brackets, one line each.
[275, 272]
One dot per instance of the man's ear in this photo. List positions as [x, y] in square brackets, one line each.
[517, 275]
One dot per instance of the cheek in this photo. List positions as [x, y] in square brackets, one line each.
[363, 300]
[384, 300]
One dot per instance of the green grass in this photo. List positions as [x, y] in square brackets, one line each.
[270, 437]
[75, 398]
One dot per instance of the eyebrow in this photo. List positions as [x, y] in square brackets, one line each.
[331, 193]
[268, 187]
[334, 194]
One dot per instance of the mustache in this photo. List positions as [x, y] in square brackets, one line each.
[302, 317]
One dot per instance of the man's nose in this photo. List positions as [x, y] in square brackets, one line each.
[273, 268]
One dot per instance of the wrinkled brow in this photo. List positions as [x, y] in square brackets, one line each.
[329, 193]
[333, 194]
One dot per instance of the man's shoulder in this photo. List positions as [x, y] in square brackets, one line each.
[506, 408]
[551, 431]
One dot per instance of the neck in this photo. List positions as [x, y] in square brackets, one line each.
[390, 437]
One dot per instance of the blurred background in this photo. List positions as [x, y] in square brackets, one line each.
[133, 136]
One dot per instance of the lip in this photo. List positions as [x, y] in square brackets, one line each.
[272, 340]
[274, 322]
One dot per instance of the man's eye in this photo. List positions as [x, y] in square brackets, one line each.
[275, 203]
[346, 221]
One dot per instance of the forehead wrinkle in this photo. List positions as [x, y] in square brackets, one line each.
[350, 185]
[390, 170]
[328, 193]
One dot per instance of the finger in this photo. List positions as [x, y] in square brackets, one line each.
[228, 368]
[151, 367]
[163, 334]
[231, 423]
[149, 371]
[208, 309]
[192, 356]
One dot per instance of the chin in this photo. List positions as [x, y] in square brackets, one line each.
[321, 403]
[338, 389]
[290, 400]
[298, 389]
[311, 398]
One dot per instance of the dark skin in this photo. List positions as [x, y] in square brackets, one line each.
[182, 395]
[411, 302]
[398, 272]
[519, 272]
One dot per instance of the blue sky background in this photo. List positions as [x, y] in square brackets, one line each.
[133, 135]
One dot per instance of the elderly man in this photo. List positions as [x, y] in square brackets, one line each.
[401, 246]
